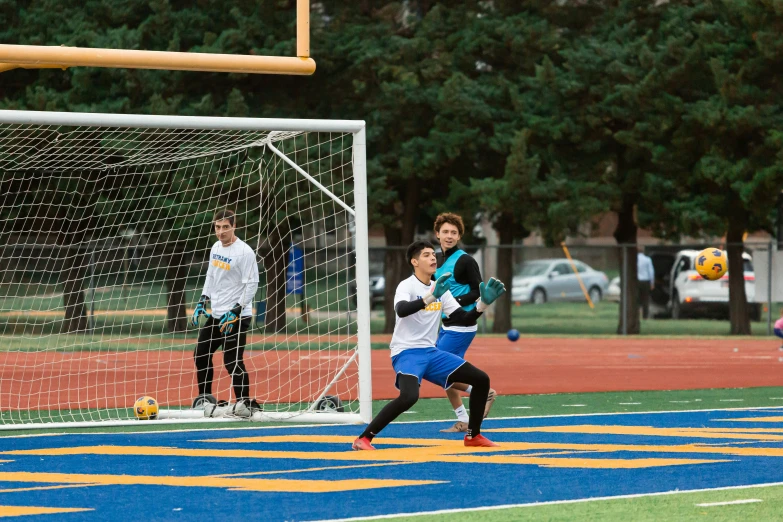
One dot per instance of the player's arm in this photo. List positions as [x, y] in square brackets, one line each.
[403, 307]
[489, 292]
[250, 273]
[466, 271]
[201, 306]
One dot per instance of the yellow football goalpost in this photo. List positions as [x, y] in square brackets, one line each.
[49, 57]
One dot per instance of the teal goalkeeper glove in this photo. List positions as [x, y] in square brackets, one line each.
[229, 319]
[490, 292]
[442, 286]
[201, 309]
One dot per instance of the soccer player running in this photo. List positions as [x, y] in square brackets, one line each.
[418, 303]
[231, 284]
[458, 331]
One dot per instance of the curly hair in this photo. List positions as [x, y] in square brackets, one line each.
[451, 219]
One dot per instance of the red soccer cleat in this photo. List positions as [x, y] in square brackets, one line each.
[362, 443]
[479, 441]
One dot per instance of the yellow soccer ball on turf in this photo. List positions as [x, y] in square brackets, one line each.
[146, 408]
[711, 263]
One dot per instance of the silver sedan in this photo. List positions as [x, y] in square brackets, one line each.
[555, 280]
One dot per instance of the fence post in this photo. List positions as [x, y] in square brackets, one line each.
[769, 289]
[624, 299]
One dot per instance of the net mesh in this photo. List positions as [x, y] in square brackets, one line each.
[104, 242]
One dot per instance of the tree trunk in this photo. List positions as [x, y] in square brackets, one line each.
[738, 301]
[396, 267]
[275, 259]
[625, 235]
[74, 270]
[505, 257]
[176, 274]
[393, 273]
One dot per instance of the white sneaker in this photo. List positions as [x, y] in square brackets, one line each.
[241, 409]
[213, 411]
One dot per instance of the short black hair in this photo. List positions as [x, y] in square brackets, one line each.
[224, 214]
[415, 248]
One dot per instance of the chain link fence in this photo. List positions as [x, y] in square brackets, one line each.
[550, 294]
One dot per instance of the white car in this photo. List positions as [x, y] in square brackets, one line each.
[554, 280]
[692, 294]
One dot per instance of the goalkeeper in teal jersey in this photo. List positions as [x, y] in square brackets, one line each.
[231, 284]
[457, 332]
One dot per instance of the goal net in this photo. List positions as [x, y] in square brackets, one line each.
[106, 225]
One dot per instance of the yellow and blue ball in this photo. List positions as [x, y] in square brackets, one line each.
[712, 263]
[146, 408]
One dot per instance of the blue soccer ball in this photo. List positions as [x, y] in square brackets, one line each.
[513, 334]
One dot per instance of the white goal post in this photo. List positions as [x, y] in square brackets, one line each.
[106, 222]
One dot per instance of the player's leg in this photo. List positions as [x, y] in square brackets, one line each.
[410, 365]
[209, 341]
[409, 394]
[233, 358]
[457, 343]
[479, 380]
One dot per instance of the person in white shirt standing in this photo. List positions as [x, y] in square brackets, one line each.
[646, 277]
[231, 284]
[418, 304]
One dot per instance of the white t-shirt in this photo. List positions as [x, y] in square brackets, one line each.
[419, 330]
[232, 277]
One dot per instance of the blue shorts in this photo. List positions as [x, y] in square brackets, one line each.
[426, 363]
[454, 342]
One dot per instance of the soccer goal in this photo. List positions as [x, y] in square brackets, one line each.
[104, 244]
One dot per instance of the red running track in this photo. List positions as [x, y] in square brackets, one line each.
[59, 380]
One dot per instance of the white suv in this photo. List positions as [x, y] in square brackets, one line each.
[691, 294]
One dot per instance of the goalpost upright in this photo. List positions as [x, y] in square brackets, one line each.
[218, 148]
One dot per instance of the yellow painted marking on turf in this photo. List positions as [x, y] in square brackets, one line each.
[44, 488]
[701, 433]
[304, 470]
[448, 451]
[234, 484]
[339, 439]
[18, 511]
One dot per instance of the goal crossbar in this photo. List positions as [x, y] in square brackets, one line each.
[42, 56]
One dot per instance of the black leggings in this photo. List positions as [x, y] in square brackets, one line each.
[409, 394]
[209, 341]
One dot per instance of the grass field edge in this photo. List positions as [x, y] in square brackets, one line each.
[551, 503]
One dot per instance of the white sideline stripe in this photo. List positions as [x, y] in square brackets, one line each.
[732, 400]
[242, 427]
[521, 408]
[573, 405]
[731, 502]
[628, 403]
[551, 502]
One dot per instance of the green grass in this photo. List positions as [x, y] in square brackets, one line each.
[505, 406]
[681, 507]
[580, 319]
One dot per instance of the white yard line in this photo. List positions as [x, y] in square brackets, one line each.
[730, 503]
